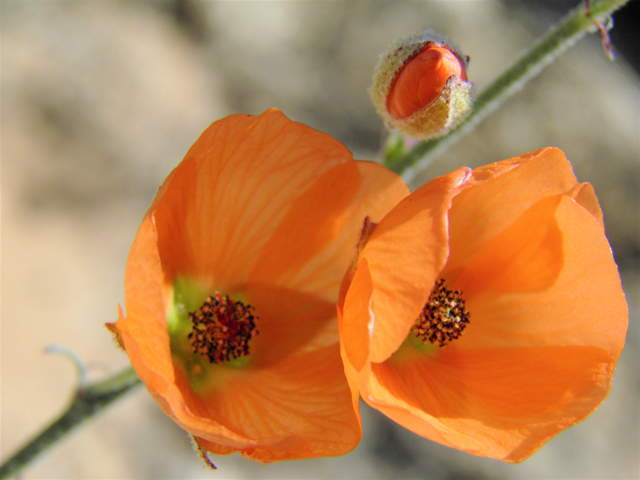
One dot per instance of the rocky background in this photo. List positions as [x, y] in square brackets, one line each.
[101, 99]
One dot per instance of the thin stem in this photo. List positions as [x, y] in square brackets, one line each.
[86, 403]
[558, 39]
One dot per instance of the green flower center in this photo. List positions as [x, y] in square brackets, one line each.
[210, 335]
[443, 317]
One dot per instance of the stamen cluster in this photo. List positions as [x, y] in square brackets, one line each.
[222, 328]
[443, 317]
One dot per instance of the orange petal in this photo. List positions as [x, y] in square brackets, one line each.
[584, 306]
[313, 221]
[295, 283]
[144, 330]
[526, 257]
[405, 253]
[314, 243]
[501, 403]
[233, 189]
[298, 408]
[499, 193]
[289, 321]
[585, 196]
[357, 317]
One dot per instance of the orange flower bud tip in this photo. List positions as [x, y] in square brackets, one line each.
[421, 81]
[420, 86]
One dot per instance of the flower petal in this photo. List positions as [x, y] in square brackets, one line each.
[525, 257]
[501, 403]
[572, 310]
[144, 299]
[298, 408]
[405, 253]
[356, 332]
[499, 193]
[585, 196]
[231, 191]
[289, 321]
[312, 246]
[145, 335]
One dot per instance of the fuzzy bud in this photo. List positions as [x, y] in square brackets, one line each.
[420, 86]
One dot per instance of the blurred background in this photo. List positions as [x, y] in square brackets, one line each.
[100, 100]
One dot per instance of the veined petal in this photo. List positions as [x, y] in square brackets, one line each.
[144, 298]
[525, 257]
[500, 403]
[357, 329]
[233, 189]
[298, 408]
[405, 253]
[289, 321]
[499, 193]
[571, 311]
[312, 246]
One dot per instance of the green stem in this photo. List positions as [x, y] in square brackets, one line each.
[87, 402]
[558, 39]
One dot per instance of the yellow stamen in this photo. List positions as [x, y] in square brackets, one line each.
[222, 328]
[443, 317]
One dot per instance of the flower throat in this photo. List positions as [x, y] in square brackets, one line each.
[222, 328]
[443, 317]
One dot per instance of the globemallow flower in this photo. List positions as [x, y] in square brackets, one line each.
[232, 282]
[485, 311]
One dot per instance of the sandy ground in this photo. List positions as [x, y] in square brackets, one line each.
[101, 99]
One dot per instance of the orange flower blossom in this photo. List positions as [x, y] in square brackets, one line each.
[485, 311]
[232, 281]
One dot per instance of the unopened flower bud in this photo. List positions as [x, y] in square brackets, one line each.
[420, 86]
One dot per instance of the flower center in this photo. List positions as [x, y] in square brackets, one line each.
[222, 328]
[443, 317]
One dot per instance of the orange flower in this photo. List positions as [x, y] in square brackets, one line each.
[232, 281]
[486, 312]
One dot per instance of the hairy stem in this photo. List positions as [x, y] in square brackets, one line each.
[558, 39]
[87, 402]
